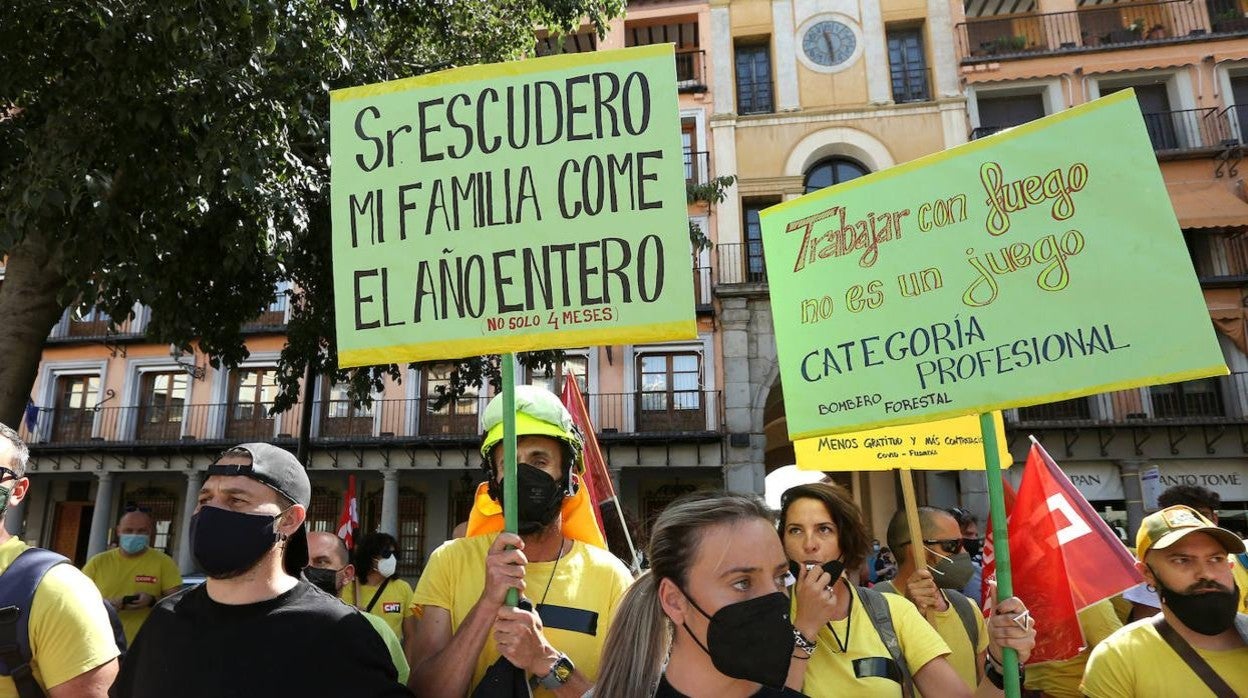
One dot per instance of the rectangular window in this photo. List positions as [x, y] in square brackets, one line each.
[1159, 119]
[162, 405]
[755, 271]
[1198, 398]
[411, 535]
[999, 113]
[440, 416]
[74, 412]
[161, 505]
[252, 391]
[754, 79]
[574, 366]
[908, 66]
[340, 418]
[670, 392]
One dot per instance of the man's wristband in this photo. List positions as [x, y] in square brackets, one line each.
[992, 672]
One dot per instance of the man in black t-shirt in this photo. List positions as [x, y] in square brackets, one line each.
[255, 628]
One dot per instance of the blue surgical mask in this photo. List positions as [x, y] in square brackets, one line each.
[132, 543]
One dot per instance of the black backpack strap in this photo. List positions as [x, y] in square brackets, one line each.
[882, 618]
[1194, 661]
[17, 593]
[966, 612]
[377, 595]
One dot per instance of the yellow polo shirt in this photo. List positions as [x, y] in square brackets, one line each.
[115, 575]
[69, 629]
[1136, 663]
[393, 606]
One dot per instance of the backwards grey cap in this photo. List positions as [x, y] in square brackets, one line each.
[280, 470]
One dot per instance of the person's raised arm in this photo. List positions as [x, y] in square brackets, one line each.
[443, 659]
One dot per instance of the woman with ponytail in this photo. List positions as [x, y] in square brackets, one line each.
[710, 618]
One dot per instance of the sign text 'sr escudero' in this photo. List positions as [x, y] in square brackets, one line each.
[1002, 273]
[511, 207]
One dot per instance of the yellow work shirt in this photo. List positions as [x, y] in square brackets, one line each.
[1136, 663]
[948, 624]
[588, 579]
[831, 672]
[116, 575]
[393, 606]
[70, 633]
[1060, 679]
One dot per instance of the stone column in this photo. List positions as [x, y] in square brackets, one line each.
[1129, 470]
[944, 58]
[101, 517]
[741, 456]
[785, 55]
[875, 53]
[194, 481]
[390, 502]
[723, 89]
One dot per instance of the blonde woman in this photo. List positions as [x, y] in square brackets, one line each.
[710, 618]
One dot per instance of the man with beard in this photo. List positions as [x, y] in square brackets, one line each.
[1198, 644]
[574, 587]
[254, 626]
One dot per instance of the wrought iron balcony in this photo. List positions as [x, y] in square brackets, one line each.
[691, 71]
[741, 263]
[664, 412]
[1218, 400]
[1097, 27]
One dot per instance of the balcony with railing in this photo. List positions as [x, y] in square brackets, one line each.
[1188, 130]
[697, 167]
[740, 263]
[690, 70]
[1218, 400]
[1097, 27]
[911, 84]
[655, 414]
[91, 325]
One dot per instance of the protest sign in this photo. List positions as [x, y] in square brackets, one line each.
[947, 444]
[1039, 264]
[511, 207]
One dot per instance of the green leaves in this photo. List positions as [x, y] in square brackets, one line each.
[176, 153]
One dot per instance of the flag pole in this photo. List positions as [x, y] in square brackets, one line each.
[511, 519]
[1000, 540]
[917, 551]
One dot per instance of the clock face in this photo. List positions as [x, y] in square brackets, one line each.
[829, 43]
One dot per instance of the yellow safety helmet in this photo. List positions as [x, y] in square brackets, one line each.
[538, 413]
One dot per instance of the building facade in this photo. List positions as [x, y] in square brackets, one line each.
[118, 423]
[1187, 61]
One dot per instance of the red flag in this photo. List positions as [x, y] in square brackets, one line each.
[349, 521]
[1062, 555]
[594, 477]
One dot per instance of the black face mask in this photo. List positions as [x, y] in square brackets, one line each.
[323, 579]
[750, 640]
[540, 497]
[1207, 612]
[227, 543]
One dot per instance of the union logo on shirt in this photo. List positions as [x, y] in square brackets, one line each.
[392, 607]
[144, 579]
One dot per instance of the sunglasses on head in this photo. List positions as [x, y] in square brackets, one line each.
[950, 546]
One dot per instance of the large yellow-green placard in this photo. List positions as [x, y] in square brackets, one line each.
[1039, 264]
[946, 444]
[510, 207]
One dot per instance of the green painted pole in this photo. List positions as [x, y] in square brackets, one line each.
[511, 518]
[1000, 540]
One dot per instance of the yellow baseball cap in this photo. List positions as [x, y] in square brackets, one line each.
[1164, 528]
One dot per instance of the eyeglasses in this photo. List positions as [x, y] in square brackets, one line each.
[950, 546]
[7, 474]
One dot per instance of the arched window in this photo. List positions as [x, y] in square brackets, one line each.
[831, 171]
